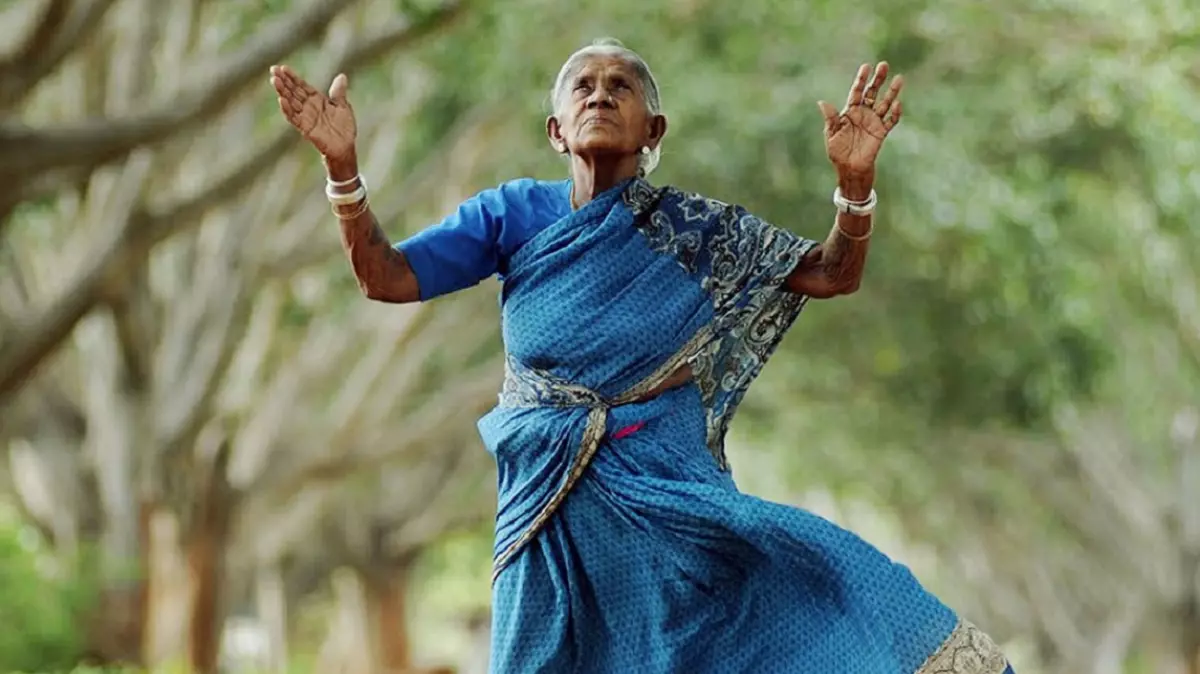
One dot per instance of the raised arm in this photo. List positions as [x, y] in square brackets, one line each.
[382, 271]
[328, 123]
[853, 138]
[835, 267]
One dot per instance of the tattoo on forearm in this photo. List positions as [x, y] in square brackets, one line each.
[382, 271]
[843, 258]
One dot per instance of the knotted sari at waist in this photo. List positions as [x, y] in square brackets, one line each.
[526, 387]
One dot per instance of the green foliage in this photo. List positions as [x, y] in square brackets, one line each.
[454, 575]
[42, 598]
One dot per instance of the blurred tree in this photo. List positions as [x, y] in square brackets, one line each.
[145, 86]
[132, 424]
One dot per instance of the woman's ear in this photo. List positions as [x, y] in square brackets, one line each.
[554, 134]
[658, 129]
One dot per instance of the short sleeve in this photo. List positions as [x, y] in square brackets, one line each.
[470, 244]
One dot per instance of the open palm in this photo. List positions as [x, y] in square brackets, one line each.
[854, 136]
[325, 121]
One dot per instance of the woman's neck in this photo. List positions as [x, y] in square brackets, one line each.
[591, 176]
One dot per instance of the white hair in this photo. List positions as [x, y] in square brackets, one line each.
[612, 47]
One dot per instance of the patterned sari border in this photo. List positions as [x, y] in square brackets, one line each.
[968, 650]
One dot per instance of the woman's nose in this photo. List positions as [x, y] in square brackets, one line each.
[600, 98]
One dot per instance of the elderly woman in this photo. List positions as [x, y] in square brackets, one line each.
[634, 319]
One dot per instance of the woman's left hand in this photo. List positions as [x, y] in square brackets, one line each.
[854, 135]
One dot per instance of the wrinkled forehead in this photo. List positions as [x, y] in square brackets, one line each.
[600, 64]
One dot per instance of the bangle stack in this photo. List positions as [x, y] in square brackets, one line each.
[356, 197]
[859, 208]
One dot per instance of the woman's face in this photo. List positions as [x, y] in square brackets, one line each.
[602, 111]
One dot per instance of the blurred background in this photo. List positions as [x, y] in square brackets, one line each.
[216, 455]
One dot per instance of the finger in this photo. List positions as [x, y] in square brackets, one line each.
[860, 83]
[297, 83]
[303, 85]
[282, 87]
[877, 80]
[295, 115]
[292, 97]
[337, 90]
[286, 108]
[284, 84]
[830, 114]
[285, 75]
[890, 96]
[892, 118]
[290, 107]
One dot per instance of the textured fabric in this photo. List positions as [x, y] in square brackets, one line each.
[475, 241]
[643, 556]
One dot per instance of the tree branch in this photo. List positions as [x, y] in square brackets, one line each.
[426, 426]
[426, 529]
[135, 339]
[30, 346]
[20, 358]
[428, 486]
[14, 290]
[190, 403]
[91, 143]
[258, 437]
[63, 27]
[38, 40]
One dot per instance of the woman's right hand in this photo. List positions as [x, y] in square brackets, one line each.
[325, 121]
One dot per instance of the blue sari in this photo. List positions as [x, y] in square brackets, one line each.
[622, 542]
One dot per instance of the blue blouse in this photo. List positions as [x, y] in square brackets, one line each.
[477, 240]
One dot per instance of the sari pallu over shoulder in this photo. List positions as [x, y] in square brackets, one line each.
[602, 306]
[741, 262]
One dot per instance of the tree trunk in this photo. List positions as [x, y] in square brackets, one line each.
[348, 646]
[168, 594]
[116, 626]
[387, 605]
[208, 538]
[206, 557]
[479, 629]
[116, 403]
[271, 598]
[1189, 627]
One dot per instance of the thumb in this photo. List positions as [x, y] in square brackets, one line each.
[337, 90]
[830, 113]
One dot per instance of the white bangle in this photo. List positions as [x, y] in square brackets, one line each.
[344, 183]
[860, 208]
[855, 237]
[346, 198]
